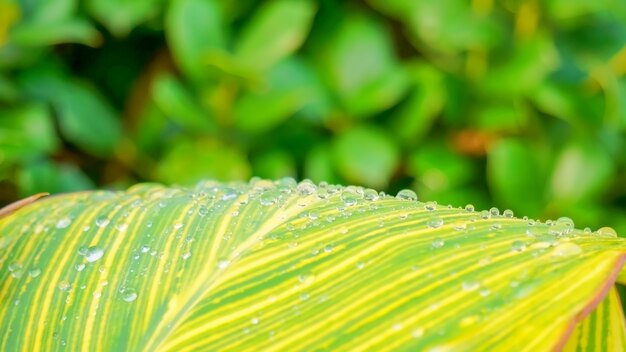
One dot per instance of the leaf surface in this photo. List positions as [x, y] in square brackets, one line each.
[280, 266]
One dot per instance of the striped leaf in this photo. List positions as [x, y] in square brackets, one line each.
[286, 266]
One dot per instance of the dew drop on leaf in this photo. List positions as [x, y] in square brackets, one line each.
[607, 231]
[470, 285]
[508, 213]
[566, 249]
[417, 333]
[349, 198]
[435, 222]
[129, 295]
[438, 243]
[65, 286]
[306, 187]
[518, 246]
[223, 264]
[102, 221]
[63, 223]
[407, 194]
[93, 254]
[34, 272]
[469, 208]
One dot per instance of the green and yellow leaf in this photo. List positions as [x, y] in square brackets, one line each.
[285, 266]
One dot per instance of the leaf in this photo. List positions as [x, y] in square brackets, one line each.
[515, 176]
[175, 101]
[359, 64]
[46, 176]
[84, 117]
[291, 86]
[188, 161]
[43, 34]
[275, 265]
[26, 132]
[277, 30]
[608, 320]
[366, 155]
[15, 206]
[194, 28]
[581, 173]
[121, 16]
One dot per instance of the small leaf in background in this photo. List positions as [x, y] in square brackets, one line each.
[501, 118]
[529, 65]
[84, 117]
[193, 29]
[9, 92]
[274, 164]
[42, 34]
[515, 176]
[359, 64]
[582, 172]
[366, 155]
[26, 132]
[45, 176]
[438, 168]
[178, 104]
[121, 16]
[451, 25]
[277, 29]
[319, 166]
[416, 115]
[189, 161]
[291, 86]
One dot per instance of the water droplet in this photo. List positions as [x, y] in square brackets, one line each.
[121, 227]
[349, 198]
[223, 264]
[469, 208]
[186, 255]
[129, 295]
[371, 195]
[203, 211]
[63, 223]
[34, 272]
[360, 265]
[79, 266]
[430, 206]
[508, 213]
[485, 292]
[145, 249]
[16, 270]
[607, 231]
[102, 221]
[407, 194]
[306, 187]
[93, 254]
[254, 320]
[304, 296]
[518, 246]
[485, 214]
[268, 198]
[435, 222]
[65, 286]
[397, 327]
[494, 211]
[328, 248]
[417, 333]
[470, 285]
[438, 243]
[566, 249]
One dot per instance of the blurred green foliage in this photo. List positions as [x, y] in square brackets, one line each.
[514, 103]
